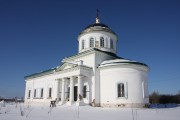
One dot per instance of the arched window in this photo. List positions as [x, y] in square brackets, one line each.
[101, 41]
[111, 44]
[83, 46]
[120, 90]
[91, 42]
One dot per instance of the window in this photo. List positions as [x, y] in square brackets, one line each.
[68, 93]
[84, 91]
[41, 92]
[50, 92]
[101, 41]
[29, 93]
[121, 90]
[91, 42]
[35, 93]
[111, 44]
[83, 44]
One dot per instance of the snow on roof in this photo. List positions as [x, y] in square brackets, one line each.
[120, 61]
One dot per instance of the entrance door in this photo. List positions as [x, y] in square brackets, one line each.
[75, 93]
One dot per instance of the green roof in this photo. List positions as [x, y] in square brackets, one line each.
[50, 71]
[45, 72]
[94, 49]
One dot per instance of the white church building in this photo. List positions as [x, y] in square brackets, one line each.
[94, 76]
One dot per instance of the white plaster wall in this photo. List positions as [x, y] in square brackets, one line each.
[29, 86]
[87, 83]
[38, 83]
[88, 60]
[94, 60]
[100, 57]
[130, 75]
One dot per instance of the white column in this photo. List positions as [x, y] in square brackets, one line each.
[93, 88]
[63, 90]
[57, 89]
[72, 89]
[79, 86]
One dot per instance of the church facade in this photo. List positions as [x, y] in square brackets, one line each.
[95, 75]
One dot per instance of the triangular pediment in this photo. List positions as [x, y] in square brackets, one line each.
[65, 66]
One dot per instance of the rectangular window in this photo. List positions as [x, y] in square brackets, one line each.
[41, 92]
[29, 93]
[121, 92]
[68, 93]
[50, 92]
[34, 93]
[84, 91]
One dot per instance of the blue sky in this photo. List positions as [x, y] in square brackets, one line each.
[36, 35]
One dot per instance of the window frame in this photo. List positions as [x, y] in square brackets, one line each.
[120, 90]
[91, 42]
[102, 41]
[50, 92]
[83, 44]
[85, 91]
[42, 93]
[68, 93]
[35, 92]
[29, 93]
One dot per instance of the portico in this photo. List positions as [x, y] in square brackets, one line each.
[70, 88]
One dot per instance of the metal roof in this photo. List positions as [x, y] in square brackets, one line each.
[97, 27]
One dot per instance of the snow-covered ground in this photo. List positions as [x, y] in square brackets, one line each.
[43, 112]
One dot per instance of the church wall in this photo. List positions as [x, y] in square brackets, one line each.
[94, 60]
[87, 83]
[39, 83]
[88, 60]
[48, 81]
[100, 57]
[132, 78]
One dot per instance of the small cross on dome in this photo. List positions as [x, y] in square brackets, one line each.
[97, 16]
